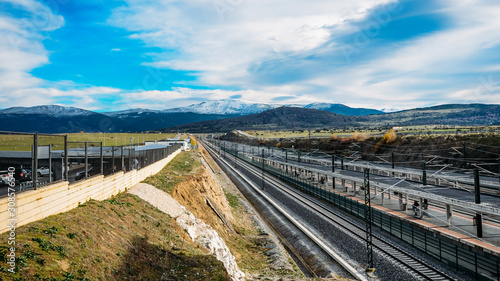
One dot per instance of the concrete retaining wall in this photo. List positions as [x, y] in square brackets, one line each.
[60, 197]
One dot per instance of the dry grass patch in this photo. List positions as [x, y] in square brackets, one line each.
[123, 238]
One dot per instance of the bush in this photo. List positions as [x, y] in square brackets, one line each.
[390, 137]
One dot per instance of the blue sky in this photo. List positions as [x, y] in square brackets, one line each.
[383, 54]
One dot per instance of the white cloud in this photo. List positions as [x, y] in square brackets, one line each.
[417, 72]
[21, 48]
[223, 49]
[434, 69]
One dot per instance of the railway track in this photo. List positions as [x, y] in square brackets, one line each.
[419, 268]
[319, 243]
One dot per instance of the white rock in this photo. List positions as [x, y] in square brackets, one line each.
[199, 231]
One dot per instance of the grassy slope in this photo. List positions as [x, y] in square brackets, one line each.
[123, 238]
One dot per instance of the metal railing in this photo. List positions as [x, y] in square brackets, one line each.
[42, 159]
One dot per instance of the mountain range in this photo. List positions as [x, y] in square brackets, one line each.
[62, 119]
[292, 118]
[237, 107]
[228, 115]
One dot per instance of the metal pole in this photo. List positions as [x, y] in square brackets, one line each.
[286, 158]
[368, 221]
[66, 159]
[102, 161]
[424, 173]
[465, 157]
[309, 141]
[342, 162]
[333, 163]
[130, 159]
[86, 161]
[50, 163]
[113, 159]
[34, 173]
[392, 159]
[122, 158]
[263, 182]
[477, 190]
[236, 156]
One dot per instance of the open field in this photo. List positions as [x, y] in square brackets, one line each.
[407, 130]
[24, 142]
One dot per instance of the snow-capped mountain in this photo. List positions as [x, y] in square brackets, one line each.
[237, 107]
[390, 110]
[129, 111]
[49, 110]
[224, 107]
[342, 109]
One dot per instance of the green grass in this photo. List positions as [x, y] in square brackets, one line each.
[178, 170]
[232, 199]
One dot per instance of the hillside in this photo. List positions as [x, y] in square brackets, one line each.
[342, 109]
[292, 118]
[449, 114]
[58, 119]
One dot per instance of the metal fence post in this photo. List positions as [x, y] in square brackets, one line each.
[102, 160]
[86, 161]
[122, 159]
[66, 159]
[50, 163]
[113, 159]
[34, 173]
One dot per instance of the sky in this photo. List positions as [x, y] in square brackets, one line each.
[114, 55]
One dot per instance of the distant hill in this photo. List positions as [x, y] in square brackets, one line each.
[290, 118]
[48, 110]
[148, 121]
[42, 123]
[449, 114]
[55, 119]
[342, 109]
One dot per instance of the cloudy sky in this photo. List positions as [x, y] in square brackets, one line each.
[113, 55]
